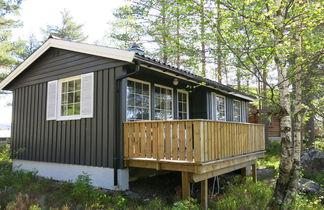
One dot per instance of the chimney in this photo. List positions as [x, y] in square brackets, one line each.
[136, 49]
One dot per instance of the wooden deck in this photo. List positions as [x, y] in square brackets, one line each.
[200, 149]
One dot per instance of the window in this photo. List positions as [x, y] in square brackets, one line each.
[70, 98]
[218, 110]
[236, 110]
[183, 105]
[163, 97]
[138, 100]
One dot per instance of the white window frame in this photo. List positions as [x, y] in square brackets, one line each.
[58, 106]
[150, 97]
[214, 109]
[166, 87]
[240, 106]
[187, 93]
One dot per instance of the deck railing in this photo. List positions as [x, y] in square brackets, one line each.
[193, 141]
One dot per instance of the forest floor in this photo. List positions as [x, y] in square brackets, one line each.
[21, 190]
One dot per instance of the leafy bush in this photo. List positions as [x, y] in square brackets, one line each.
[186, 204]
[245, 196]
[304, 202]
[82, 190]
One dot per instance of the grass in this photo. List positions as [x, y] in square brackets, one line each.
[272, 156]
[24, 190]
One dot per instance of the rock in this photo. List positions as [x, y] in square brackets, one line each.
[309, 186]
[313, 161]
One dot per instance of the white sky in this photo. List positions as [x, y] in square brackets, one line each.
[36, 14]
[94, 14]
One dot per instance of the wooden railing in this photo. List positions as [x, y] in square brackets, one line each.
[191, 140]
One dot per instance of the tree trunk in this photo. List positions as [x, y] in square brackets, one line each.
[219, 54]
[287, 182]
[202, 38]
[178, 36]
[164, 32]
[264, 108]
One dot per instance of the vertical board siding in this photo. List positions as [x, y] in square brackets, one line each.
[87, 141]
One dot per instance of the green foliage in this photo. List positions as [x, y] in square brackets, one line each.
[82, 189]
[303, 202]
[68, 30]
[272, 157]
[319, 144]
[186, 204]
[245, 196]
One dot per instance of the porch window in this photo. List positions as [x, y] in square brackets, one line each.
[219, 107]
[163, 97]
[236, 111]
[138, 100]
[183, 105]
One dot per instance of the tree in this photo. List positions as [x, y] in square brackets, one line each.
[68, 30]
[9, 9]
[268, 34]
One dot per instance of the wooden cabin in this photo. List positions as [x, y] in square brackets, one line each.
[86, 108]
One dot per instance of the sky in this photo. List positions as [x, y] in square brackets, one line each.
[36, 14]
[94, 14]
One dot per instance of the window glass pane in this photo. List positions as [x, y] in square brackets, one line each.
[138, 101]
[138, 88]
[162, 103]
[71, 86]
[220, 108]
[146, 90]
[146, 101]
[70, 109]
[130, 113]
[78, 84]
[64, 87]
[130, 87]
[64, 98]
[77, 108]
[182, 105]
[77, 97]
[130, 99]
[70, 97]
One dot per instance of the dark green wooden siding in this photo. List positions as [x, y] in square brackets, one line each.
[56, 64]
[87, 141]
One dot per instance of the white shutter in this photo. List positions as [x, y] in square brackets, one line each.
[87, 95]
[51, 100]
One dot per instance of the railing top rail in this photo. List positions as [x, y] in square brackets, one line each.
[190, 120]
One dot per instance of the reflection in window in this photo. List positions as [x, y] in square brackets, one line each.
[138, 101]
[162, 103]
[182, 105]
[70, 97]
[220, 107]
[236, 111]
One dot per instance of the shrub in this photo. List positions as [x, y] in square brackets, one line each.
[245, 196]
[186, 204]
[82, 191]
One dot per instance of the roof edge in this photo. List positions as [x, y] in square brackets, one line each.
[96, 50]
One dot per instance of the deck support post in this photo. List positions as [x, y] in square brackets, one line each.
[204, 194]
[254, 173]
[185, 185]
[243, 174]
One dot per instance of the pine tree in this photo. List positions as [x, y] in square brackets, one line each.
[9, 10]
[68, 30]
